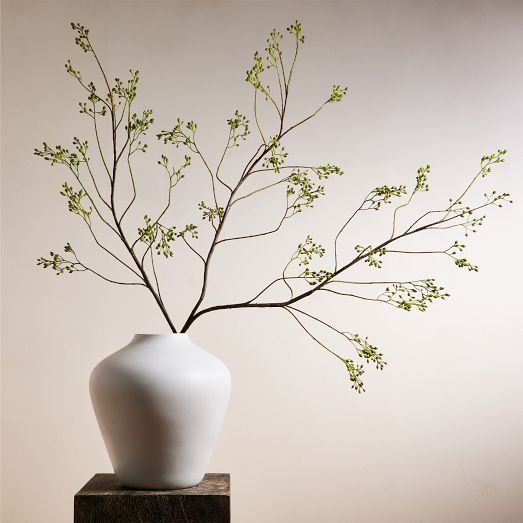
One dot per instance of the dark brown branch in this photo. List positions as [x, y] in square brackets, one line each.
[193, 249]
[221, 161]
[255, 159]
[116, 158]
[319, 286]
[349, 294]
[96, 273]
[281, 278]
[289, 310]
[257, 235]
[100, 150]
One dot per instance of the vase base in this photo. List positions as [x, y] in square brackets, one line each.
[156, 486]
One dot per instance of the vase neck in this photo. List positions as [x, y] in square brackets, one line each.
[159, 337]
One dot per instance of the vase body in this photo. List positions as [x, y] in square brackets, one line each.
[160, 403]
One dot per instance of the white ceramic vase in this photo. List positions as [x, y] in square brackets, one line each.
[160, 403]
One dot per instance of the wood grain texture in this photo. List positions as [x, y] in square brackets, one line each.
[103, 500]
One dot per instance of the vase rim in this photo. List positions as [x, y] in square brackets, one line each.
[162, 334]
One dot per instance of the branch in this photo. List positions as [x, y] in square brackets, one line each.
[328, 277]
[133, 199]
[193, 249]
[373, 201]
[421, 185]
[403, 295]
[256, 117]
[100, 150]
[211, 174]
[282, 278]
[84, 42]
[363, 348]
[62, 265]
[221, 161]
[253, 77]
[257, 235]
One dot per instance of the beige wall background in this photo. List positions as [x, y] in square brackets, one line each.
[438, 434]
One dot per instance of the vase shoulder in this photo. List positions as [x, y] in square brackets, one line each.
[170, 354]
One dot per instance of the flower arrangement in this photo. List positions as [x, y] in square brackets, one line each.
[93, 195]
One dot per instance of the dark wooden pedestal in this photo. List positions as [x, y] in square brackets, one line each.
[103, 500]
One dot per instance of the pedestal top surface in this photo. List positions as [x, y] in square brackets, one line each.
[213, 484]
